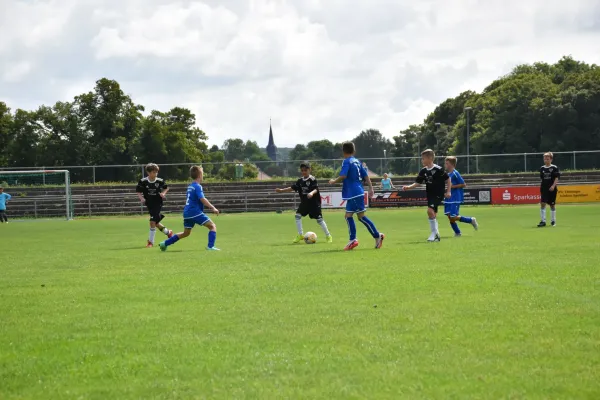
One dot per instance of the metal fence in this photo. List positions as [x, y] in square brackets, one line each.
[265, 170]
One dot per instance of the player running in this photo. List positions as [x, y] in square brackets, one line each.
[193, 213]
[436, 180]
[4, 198]
[352, 176]
[151, 191]
[452, 205]
[310, 201]
[549, 174]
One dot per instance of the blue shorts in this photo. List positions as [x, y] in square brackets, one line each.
[202, 219]
[356, 205]
[452, 209]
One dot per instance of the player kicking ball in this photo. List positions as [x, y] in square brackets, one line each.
[436, 180]
[452, 205]
[352, 175]
[193, 213]
[151, 191]
[310, 201]
[549, 174]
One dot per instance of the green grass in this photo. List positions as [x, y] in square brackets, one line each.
[510, 311]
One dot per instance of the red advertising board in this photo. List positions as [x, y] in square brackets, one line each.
[516, 195]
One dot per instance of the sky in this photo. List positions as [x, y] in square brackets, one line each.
[317, 68]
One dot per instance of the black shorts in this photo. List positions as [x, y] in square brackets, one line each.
[312, 210]
[155, 212]
[548, 197]
[434, 202]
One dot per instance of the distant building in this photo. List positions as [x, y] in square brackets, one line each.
[271, 148]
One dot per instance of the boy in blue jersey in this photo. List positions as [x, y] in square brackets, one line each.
[452, 205]
[4, 197]
[352, 175]
[193, 213]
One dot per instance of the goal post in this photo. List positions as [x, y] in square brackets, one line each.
[38, 193]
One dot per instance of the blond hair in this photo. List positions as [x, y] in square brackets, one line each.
[428, 153]
[549, 154]
[452, 160]
[195, 172]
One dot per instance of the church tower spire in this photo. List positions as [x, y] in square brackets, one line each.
[271, 148]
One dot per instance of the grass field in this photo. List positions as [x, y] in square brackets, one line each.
[511, 311]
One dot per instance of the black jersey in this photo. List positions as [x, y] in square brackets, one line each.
[434, 179]
[151, 190]
[548, 175]
[304, 186]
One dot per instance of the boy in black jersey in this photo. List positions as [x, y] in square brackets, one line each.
[151, 191]
[310, 201]
[549, 174]
[437, 185]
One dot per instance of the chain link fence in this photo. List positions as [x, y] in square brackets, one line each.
[266, 170]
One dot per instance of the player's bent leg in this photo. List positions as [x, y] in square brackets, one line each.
[212, 235]
[323, 226]
[187, 231]
[299, 228]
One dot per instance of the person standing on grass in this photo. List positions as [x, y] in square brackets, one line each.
[4, 198]
[437, 186]
[386, 183]
[452, 205]
[193, 213]
[549, 174]
[310, 202]
[353, 174]
[151, 191]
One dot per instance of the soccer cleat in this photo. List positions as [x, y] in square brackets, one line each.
[299, 238]
[553, 223]
[329, 239]
[170, 234]
[475, 224]
[541, 224]
[434, 237]
[212, 249]
[379, 241]
[458, 235]
[163, 246]
[149, 244]
[351, 245]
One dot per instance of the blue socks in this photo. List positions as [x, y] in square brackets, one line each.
[466, 220]
[370, 226]
[212, 237]
[455, 228]
[351, 228]
[172, 240]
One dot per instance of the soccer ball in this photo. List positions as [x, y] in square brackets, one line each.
[310, 238]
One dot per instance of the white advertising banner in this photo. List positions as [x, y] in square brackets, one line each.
[334, 200]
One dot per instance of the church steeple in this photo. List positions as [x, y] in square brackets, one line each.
[271, 148]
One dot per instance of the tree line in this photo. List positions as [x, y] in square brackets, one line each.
[534, 108]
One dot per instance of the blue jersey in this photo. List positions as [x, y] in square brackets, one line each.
[193, 203]
[457, 194]
[354, 172]
[4, 197]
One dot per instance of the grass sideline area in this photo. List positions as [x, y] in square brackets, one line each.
[511, 311]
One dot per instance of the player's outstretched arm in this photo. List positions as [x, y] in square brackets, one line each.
[370, 184]
[339, 179]
[209, 205]
[409, 187]
[284, 190]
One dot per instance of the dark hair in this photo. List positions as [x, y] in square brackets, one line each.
[195, 172]
[151, 167]
[428, 152]
[305, 164]
[348, 148]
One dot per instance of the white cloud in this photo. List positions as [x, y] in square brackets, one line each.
[319, 68]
